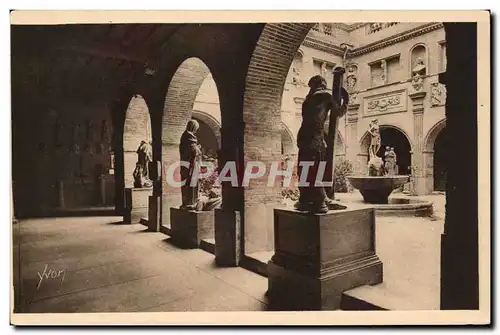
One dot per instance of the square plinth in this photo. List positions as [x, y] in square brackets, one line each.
[188, 228]
[319, 256]
[136, 204]
[227, 237]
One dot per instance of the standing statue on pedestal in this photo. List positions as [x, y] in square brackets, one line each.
[190, 151]
[390, 166]
[141, 172]
[312, 145]
[375, 163]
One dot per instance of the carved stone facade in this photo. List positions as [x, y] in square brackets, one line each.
[380, 76]
[386, 103]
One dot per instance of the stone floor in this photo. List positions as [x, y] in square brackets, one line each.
[98, 265]
[102, 266]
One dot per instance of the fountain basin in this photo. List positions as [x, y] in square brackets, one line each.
[376, 189]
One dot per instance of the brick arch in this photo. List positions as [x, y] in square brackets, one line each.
[211, 122]
[177, 111]
[136, 128]
[265, 80]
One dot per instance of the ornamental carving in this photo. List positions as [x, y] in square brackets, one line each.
[438, 94]
[417, 82]
[381, 105]
[352, 99]
[351, 79]
[386, 103]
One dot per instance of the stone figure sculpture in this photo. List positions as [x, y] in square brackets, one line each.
[418, 73]
[390, 166]
[312, 145]
[375, 163]
[141, 172]
[190, 151]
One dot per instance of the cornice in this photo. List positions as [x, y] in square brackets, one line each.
[403, 36]
[318, 44]
[349, 27]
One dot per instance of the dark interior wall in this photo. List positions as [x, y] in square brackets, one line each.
[79, 92]
[62, 128]
[459, 242]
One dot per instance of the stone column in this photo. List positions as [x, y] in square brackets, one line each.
[418, 173]
[228, 218]
[352, 146]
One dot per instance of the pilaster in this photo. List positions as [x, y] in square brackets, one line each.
[418, 169]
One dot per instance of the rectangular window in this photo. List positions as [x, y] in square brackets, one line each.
[377, 74]
[317, 67]
[393, 69]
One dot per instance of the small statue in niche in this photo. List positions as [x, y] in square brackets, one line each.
[141, 172]
[418, 73]
[419, 68]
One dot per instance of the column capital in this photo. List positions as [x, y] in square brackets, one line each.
[417, 95]
[419, 109]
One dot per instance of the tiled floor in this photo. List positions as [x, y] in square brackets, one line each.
[96, 265]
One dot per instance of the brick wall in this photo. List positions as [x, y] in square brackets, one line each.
[268, 69]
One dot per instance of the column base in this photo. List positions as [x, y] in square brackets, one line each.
[136, 204]
[227, 237]
[320, 256]
[188, 228]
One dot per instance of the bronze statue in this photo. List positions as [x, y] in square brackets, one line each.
[312, 145]
[190, 151]
[141, 172]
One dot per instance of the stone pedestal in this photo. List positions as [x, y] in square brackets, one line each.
[136, 204]
[154, 213]
[319, 256]
[227, 237]
[188, 228]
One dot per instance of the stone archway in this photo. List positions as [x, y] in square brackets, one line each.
[209, 133]
[391, 136]
[287, 143]
[435, 162]
[177, 111]
[137, 128]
